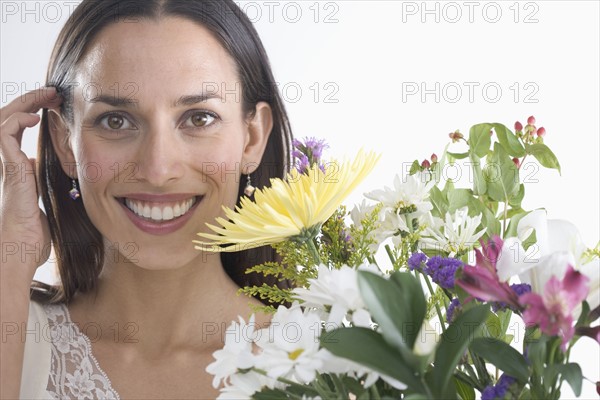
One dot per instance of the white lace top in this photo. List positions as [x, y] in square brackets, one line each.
[59, 363]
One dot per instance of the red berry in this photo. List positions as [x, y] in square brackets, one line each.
[425, 164]
[518, 126]
[541, 131]
[517, 162]
[434, 157]
[531, 120]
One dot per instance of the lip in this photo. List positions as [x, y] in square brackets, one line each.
[163, 227]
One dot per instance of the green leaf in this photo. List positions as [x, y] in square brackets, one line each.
[511, 231]
[543, 154]
[458, 156]
[439, 201]
[493, 327]
[536, 353]
[480, 139]
[509, 141]
[515, 200]
[571, 372]
[452, 346]
[414, 168]
[465, 391]
[459, 198]
[373, 352]
[525, 394]
[490, 222]
[502, 356]
[502, 175]
[398, 305]
[504, 316]
[531, 240]
[479, 184]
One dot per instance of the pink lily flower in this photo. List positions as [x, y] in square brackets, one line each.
[484, 285]
[481, 281]
[553, 310]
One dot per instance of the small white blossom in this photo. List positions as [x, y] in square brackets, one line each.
[336, 296]
[456, 234]
[244, 386]
[236, 354]
[407, 201]
[411, 191]
[290, 345]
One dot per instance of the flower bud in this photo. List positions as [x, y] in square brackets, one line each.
[455, 136]
[531, 120]
[425, 164]
[518, 126]
[434, 158]
[541, 131]
[517, 162]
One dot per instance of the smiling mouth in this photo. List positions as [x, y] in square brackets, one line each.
[158, 212]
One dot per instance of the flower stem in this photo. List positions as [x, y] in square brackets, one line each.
[312, 249]
[437, 306]
[374, 392]
[339, 386]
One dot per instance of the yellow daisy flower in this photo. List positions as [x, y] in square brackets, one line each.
[294, 208]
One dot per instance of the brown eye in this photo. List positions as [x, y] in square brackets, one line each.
[200, 120]
[115, 121]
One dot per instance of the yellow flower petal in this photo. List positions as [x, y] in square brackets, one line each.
[288, 207]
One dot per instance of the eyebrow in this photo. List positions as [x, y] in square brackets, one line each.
[129, 102]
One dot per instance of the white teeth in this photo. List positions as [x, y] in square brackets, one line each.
[159, 213]
[167, 213]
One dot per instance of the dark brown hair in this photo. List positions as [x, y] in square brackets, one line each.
[77, 243]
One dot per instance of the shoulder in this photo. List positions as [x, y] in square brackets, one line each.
[38, 351]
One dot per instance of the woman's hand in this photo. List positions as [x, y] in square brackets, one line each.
[25, 234]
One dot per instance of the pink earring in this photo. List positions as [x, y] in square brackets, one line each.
[249, 189]
[74, 193]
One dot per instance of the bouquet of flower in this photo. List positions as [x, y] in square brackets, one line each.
[432, 320]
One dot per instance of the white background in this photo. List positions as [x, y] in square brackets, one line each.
[363, 56]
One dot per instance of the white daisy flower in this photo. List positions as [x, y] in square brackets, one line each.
[455, 234]
[237, 352]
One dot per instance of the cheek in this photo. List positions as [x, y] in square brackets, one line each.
[97, 167]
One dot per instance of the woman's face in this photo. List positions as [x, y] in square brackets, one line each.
[159, 137]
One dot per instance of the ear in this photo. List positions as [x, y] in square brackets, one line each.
[260, 126]
[59, 133]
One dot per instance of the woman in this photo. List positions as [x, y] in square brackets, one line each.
[157, 113]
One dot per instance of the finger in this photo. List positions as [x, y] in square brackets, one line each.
[32, 102]
[11, 134]
[35, 177]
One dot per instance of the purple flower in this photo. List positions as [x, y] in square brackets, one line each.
[302, 163]
[519, 289]
[442, 270]
[308, 153]
[455, 303]
[416, 261]
[499, 390]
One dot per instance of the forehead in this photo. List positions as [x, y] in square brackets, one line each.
[163, 56]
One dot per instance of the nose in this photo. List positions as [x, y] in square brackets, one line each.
[160, 157]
